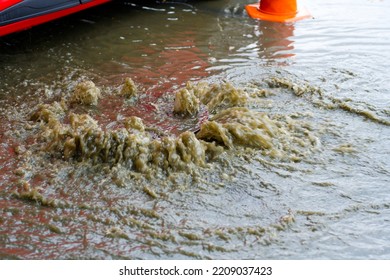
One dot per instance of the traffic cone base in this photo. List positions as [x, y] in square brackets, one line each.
[254, 11]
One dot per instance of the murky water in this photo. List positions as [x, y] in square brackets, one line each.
[300, 171]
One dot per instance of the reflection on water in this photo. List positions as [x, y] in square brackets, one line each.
[318, 89]
[266, 42]
[275, 40]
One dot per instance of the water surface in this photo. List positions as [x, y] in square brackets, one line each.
[327, 76]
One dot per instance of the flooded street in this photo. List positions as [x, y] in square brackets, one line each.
[187, 130]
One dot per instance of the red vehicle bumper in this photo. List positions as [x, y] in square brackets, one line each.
[33, 20]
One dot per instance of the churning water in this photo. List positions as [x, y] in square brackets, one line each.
[187, 130]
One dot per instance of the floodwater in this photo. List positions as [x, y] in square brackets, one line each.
[300, 171]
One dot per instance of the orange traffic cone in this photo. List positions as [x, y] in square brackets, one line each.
[277, 10]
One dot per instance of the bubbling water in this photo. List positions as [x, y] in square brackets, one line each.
[71, 136]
